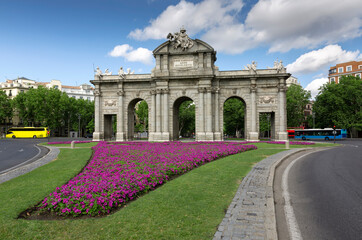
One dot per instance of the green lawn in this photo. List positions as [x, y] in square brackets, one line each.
[188, 207]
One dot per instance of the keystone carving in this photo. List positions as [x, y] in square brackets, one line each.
[266, 100]
[110, 103]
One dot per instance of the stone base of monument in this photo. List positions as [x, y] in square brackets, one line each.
[253, 136]
[156, 137]
[165, 136]
[200, 136]
[209, 136]
[282, 136]
[218, 136]
[98, 136]
[120, 137]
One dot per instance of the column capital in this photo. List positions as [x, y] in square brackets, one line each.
[97, 93]
[201, 89]
[165, 91]
[215, 89]
[253, 88]
[120, 93]
[158, 91]
[282, 88]
[153, 92]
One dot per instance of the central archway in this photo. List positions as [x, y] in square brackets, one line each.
[183, 118]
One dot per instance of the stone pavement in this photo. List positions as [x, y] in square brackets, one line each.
[52, 154]
[251, 214]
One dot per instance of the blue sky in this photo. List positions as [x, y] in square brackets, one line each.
[66, 39]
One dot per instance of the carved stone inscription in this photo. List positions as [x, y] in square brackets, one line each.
[183, 63]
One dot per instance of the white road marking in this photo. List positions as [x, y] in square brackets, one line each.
[21, 150]
[293, 228]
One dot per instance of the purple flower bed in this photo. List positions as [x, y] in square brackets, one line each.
[120, 172]
[68, 142]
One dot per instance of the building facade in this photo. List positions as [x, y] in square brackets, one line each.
[22, 84]
[353, 68]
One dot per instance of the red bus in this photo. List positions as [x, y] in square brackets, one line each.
[291, 131]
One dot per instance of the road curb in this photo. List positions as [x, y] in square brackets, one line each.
[251, 214]
[270, 219]
[50, 156]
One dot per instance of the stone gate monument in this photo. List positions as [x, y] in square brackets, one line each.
[185, 70]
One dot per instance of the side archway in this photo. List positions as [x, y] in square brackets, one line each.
[234, 118]
[137, 120]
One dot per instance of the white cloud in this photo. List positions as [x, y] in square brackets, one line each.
[317, 59]
[142, 55]
[314, 86]
[287, 24]
[195, 17]
[280, 25]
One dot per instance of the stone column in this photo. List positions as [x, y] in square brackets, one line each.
[209, 132]
[165, 127]
[98, 134]
[200, 131]
[217, 134]
[157, 135]
[152, 115]
[253, 135]
[120, 136]
[282, 134]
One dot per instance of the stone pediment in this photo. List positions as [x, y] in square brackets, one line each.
[182, 56]
[169, 48]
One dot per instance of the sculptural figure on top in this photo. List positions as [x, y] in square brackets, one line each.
[180, 39]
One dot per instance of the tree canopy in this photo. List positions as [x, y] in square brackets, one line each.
[53, 108]
[297, 99]
[340, 104]
[6, 107]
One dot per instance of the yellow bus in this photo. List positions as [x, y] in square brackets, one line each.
[28, 132]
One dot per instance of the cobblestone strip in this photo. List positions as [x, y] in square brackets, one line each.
[52, 154]
[251, 213]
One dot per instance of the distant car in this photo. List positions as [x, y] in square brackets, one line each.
[89, 135]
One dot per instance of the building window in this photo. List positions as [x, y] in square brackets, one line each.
[88, 98]
[332, 79]
[340, 70]
[56, 86]
[331, 71]
[358, 75]
[349, 68]
[360, 67]
[80, 97]
[10, 94]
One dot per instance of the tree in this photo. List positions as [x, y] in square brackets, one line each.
[187, 118]
[6, 110]
[234, 112]
[340, 104]
[297, 99]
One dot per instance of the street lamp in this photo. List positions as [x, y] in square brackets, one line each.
[268, 118]
[313, 115]
[79, 117]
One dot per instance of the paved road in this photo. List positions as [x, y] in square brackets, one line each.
[19, 152]
[325, 191]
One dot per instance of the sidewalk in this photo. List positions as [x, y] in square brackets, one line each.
[251, 214]
[52, 154]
